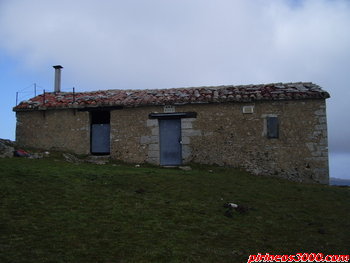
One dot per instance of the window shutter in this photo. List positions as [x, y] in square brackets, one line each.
[272, 127]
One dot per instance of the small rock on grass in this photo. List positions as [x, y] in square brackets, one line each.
[231, 207]
[71, 158]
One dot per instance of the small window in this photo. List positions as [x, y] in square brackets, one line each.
[272, 127]
[248, 109]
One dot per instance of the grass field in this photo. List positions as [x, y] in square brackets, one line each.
[54, 211]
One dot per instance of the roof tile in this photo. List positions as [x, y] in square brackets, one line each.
[212, 94]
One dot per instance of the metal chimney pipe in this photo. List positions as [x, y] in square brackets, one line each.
[57, 78]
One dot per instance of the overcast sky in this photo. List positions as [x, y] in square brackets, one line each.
[138, 44]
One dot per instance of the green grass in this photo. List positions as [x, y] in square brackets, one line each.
[53, 211]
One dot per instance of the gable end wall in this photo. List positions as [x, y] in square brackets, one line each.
[62, 130]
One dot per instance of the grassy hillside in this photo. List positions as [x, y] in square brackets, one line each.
[54, 211]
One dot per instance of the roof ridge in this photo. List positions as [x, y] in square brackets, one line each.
[192, 87]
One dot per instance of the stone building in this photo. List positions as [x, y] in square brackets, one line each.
[273, 129]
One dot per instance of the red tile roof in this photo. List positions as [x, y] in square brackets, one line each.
[175, 96]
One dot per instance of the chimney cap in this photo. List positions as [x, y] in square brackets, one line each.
[57, 67]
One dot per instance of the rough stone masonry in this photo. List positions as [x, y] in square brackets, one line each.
[273, 129]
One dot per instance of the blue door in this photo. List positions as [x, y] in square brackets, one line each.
[100, 142]
[170, 142]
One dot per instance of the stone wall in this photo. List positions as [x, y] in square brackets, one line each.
[220, 134]
[223, 135]
[64, 130]
[132, 136]
[135, 137]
